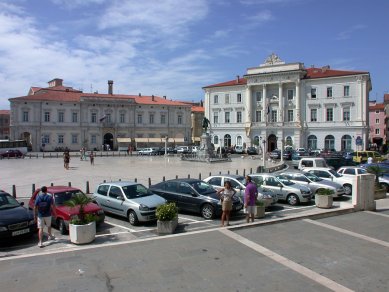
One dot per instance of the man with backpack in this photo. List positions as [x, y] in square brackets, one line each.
[42, 213]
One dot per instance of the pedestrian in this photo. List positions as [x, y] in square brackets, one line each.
[226, 195]
[130, 150]
[369, 160]
[66, 159]
[81, 153]
[92, 158]
[250, 196]
[42, 214]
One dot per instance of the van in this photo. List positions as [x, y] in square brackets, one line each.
[362, 156]
[307, 162]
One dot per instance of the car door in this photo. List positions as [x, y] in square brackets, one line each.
[169, 191]
[189, 199]
[273, 184]
[116, 201]
[216, 182]
[101, 197]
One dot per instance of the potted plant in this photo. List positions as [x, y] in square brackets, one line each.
[260, 208]
[167, 218]
[324, 199]
[82, 228]
[379, 191]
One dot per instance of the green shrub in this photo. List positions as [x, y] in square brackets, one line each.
[325, 192]
[259, 203]
[166, 212]
[80, 201]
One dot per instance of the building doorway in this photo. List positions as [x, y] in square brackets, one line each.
[108, 142]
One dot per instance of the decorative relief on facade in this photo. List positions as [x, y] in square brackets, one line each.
[273, 59]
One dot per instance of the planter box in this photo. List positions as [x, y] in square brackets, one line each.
[259, 212]
[323, 201]
[379, 194]
[81, 234]
[167, 227]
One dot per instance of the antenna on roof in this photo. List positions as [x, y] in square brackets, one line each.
[91, 88]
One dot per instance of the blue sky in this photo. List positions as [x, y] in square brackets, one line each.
[175, 47]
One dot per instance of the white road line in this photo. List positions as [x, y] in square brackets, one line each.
[345, 231]
[377, 213]
[294, 208]
[115, 233]
[326, 282]
[120, 226]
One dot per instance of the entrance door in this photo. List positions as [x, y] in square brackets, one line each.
[108, 141]
[271, 143]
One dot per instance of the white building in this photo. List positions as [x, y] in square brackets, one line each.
[58, 117]
[279, 104]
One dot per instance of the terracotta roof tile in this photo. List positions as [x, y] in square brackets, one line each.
[386, 97]
[157, 100]
[378, 106]
[198, 109]
[323, 73]
[242, 81]
[5, 112]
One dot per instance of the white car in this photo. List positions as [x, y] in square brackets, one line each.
[239, 149]
[352, 171]
[330, 174]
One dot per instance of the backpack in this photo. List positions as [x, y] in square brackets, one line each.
[43, 203]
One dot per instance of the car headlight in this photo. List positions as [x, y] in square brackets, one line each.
[3, 228]
[143, 207]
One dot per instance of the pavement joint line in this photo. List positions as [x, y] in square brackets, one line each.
[308, 273]
[351, 233]
[120, 226]
[107, 234]
[377, 213]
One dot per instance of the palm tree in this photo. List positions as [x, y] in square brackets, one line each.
[80, 200]
[377, 171]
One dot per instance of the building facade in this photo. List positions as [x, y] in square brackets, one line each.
[58, 117]
[279, 104]
[4, 124]
[377, 118]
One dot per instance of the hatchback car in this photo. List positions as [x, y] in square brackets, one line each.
[332, 175]
[193, 195]
[12, 153]
[284, 188]
[128, 199]
[239, 149]
[275, 154]
[352, 171]
[251, 151]
[15, 220]
[62, 214]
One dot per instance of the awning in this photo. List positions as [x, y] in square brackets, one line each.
[124, 140]
[159, 140]
[197, 139]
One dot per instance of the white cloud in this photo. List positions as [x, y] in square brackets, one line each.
[347, 34]
[72, 4]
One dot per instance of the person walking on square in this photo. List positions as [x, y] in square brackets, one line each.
[42, 214]
[250, 196]
[66, 159]
[92, 158]
[226, 195]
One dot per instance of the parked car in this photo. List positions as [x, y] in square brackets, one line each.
[308, 162]
[12, 153]
[330, 174]
[275, 154]
[148, 151]
[238, 183]
[383, 165]
[352, 171]
[239, 149]
[362, 156]
[314, 182]
[251, 151]
[183, 149]
[336, 162]
[293, 193]
[62, 214]
[288, 154]
[193, 195]
[128, 199]
[15, 219]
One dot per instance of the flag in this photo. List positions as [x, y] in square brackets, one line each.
[103, 118]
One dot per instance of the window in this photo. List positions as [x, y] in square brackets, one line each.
[215, 117]
[312, 142]
[215, 99]
[239, 140]
[151, 119]
[329, 142]
[377, 121]
[227, 98]
[329, 91]
[61, 117]
[346, 142]
[346, 90]
[313, 115]
[74, 138]
[346, 114]
[60, 139]
[239, 98]
[330, 115]
[216, 140]
[25, 116]
[74, 117]
[47, 116]
[258, 96]
[163, 119]
[258, 116]
[290, 94]
[108, 118]
[140, 119]
[313, 93]
[93, 139]
[94, 118]
[377, 111]
[238, 117]
[227, 117]
[377, 131]
[290, 116]
[179, 119]
[45, 139]
[273, 116]
[122, 118]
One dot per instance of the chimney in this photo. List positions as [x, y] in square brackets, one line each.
[140, 94]
[237, 78]
[164, 97]
[201, 103]
[110, 87]
[325, 68]
[152, 97]
[55, 82]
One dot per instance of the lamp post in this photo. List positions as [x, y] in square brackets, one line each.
[282, 150]
[166, 139]
[263, 142]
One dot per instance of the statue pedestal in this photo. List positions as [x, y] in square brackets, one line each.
[206, 150]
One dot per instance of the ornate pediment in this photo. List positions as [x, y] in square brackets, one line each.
[273, 59]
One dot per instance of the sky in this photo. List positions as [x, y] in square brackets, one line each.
[176, 47]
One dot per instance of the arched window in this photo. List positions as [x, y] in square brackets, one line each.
[329, 142]
[256, 140]
[312, 142]
[227, 140]
[346, 143]
[215, 140]
[239, 141]
[288, 141]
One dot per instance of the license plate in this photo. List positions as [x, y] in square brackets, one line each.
[19, 232]
[236, 208]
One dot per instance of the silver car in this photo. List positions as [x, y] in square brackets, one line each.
[314, 182]
[128, 199]
[284, 188]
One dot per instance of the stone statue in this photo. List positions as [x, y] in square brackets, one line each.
[206, 124]
[273, 59]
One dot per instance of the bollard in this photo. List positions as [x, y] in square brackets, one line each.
[176, 176]
[237, 172]
[120, 179]
[149, 182]
[188, 175]
[33, 188]
[14, 191]
[251, 170]
[220, 172]
[136, 180]
[51, 184]
[104, 181]
[87, 187]
[228, 172]
[200, 176]
[244, 172]
[210, 174]
[163, 179]
[69, 184]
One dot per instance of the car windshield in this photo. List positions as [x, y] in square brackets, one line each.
[334, 173]
[8, 202]
[136, 191]
[284, 180]
[61, 197]
[202, 187]
[312, 177]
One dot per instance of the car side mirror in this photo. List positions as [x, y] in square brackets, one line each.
[120, 198]
[21, 203]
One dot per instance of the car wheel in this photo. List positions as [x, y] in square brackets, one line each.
[348, 189]
[293, 200]
[207, 211]
[385, 186]
[62, 227]
[132, 218]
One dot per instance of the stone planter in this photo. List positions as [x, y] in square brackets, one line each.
[379, 194]
[259, 211]
[82, 234]
[323, 201]
[167, 227]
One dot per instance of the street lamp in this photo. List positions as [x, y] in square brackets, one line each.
[263, 151]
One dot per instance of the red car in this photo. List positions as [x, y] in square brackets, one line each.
[63, 214]
[11, 153]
